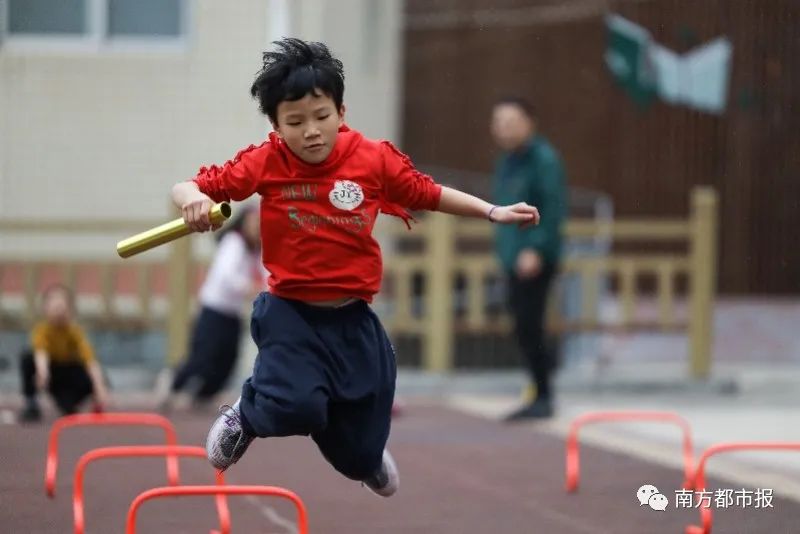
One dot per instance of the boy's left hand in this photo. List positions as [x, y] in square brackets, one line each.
[520, 213]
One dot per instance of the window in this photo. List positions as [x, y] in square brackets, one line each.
[93, 22]
[144, 17]
[47, 16]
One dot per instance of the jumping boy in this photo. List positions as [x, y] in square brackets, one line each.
[325, 366]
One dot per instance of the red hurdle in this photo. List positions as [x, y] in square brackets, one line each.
[302, 519]
[573, 454]
[102, 419]
[699, 482]
[138, 451]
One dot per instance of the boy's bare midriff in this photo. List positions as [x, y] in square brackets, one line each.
[338, 303]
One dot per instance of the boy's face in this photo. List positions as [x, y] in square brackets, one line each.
[57, 306]
[510, 127]
[309, 126]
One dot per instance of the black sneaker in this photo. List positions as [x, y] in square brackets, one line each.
[539, 409]
[227, 441]
[31, 413]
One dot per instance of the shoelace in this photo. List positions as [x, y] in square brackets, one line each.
[231, 415]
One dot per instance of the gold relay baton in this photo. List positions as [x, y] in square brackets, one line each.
[167, 232]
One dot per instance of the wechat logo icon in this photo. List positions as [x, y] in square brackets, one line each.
[649, 495]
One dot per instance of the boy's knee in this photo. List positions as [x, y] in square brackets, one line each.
[269, 414]
[309, 415]
[269, 417]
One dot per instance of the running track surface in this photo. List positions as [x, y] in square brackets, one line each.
[459, 474]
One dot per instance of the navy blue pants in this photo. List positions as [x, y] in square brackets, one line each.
[213, 352]
[325, 372]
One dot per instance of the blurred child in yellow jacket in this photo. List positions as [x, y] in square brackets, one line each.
[60, 360]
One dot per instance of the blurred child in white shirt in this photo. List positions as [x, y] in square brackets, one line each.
[235, 275]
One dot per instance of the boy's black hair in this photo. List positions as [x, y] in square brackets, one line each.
[520, 102]
[295, 69]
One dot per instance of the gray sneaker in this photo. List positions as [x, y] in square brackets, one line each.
[227, 440]
[387, 480]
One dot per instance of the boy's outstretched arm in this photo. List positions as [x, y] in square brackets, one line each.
[237, 179]
[457, 202]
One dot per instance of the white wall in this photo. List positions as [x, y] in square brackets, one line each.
[106, 133]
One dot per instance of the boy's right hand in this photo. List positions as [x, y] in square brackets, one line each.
[196, 213]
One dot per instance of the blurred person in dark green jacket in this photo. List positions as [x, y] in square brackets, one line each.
[529, 170]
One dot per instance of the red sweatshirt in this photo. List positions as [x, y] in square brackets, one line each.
[317, 220]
